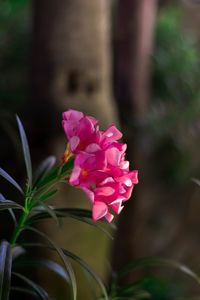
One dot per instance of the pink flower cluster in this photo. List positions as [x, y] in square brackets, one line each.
[100, 168]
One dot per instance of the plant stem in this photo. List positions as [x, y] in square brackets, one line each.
[20, 225]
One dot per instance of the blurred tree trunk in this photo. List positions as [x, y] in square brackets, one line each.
[133, 43]
[71, 69]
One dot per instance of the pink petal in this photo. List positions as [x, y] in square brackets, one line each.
[104, 191]
[124, 165]
[97, 161]
[89, 193]
[93, 120]
[74, 142]
[72, 115]
[113, 132]
[74, 178]
[85, 129]
[97, 177]
[92, 148]
[117, 207]
[109, 217]
[70, 128]
[134, 176]
[108, 179]
[99, 210]
[113, 156]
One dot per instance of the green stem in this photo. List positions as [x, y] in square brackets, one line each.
[20, 226]
[44, 191]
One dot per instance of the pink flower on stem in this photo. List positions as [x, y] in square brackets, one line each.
[100, 168]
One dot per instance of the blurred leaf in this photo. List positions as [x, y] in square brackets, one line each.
[49, 264]
[2, 199]
[5, 270]
[24, 290]
[158, 262]
[67, 264]
[50, 211]
[90, 270]
[130, 287]
[7, 204]
[17, 251]
[54, 174]
[43, 169]
[10, 179]
[77, 259]
[197, 181]
[35, 287]
[26, 151]
[82, 215]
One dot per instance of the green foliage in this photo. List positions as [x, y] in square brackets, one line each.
[150, 287]
[176, 102]
[39, 188]
[176, 60]
[14, 55]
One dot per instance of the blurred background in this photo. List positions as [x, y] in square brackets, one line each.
[135, 63]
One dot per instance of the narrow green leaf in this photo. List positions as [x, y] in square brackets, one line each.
[39, 291]
[24, 290]
[10, 179]
[82, 215]
[43, 169]
[78, 260]
[49, 264]
[5, 270]
[62, 212]
[49, 195]
[158, 262]
[2, 199]
[90, 270]
[26, 151]
[7, 204]
[66, 263]
[130, 287]
[54, 174]
[50, 211]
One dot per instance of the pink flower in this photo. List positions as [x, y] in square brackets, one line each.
[100, 168]
[79, 129]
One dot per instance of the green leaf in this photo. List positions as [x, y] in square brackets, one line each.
[130, 287]
[35, 287]
[54, 174]
[24, 290]
[50, 211]
[10, 179]
[82, 215]
[26, 151]
[66, 263]
[7, 204]
[43, 169]
[158, 262]
[78, 260]
[2, 199]
[49, 195]
[5, 270]
[47, 263]
[90, 270]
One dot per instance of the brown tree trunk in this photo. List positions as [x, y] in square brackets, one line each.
[71, 69]
[133, 46]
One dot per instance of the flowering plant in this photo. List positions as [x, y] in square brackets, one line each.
[94, 160]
